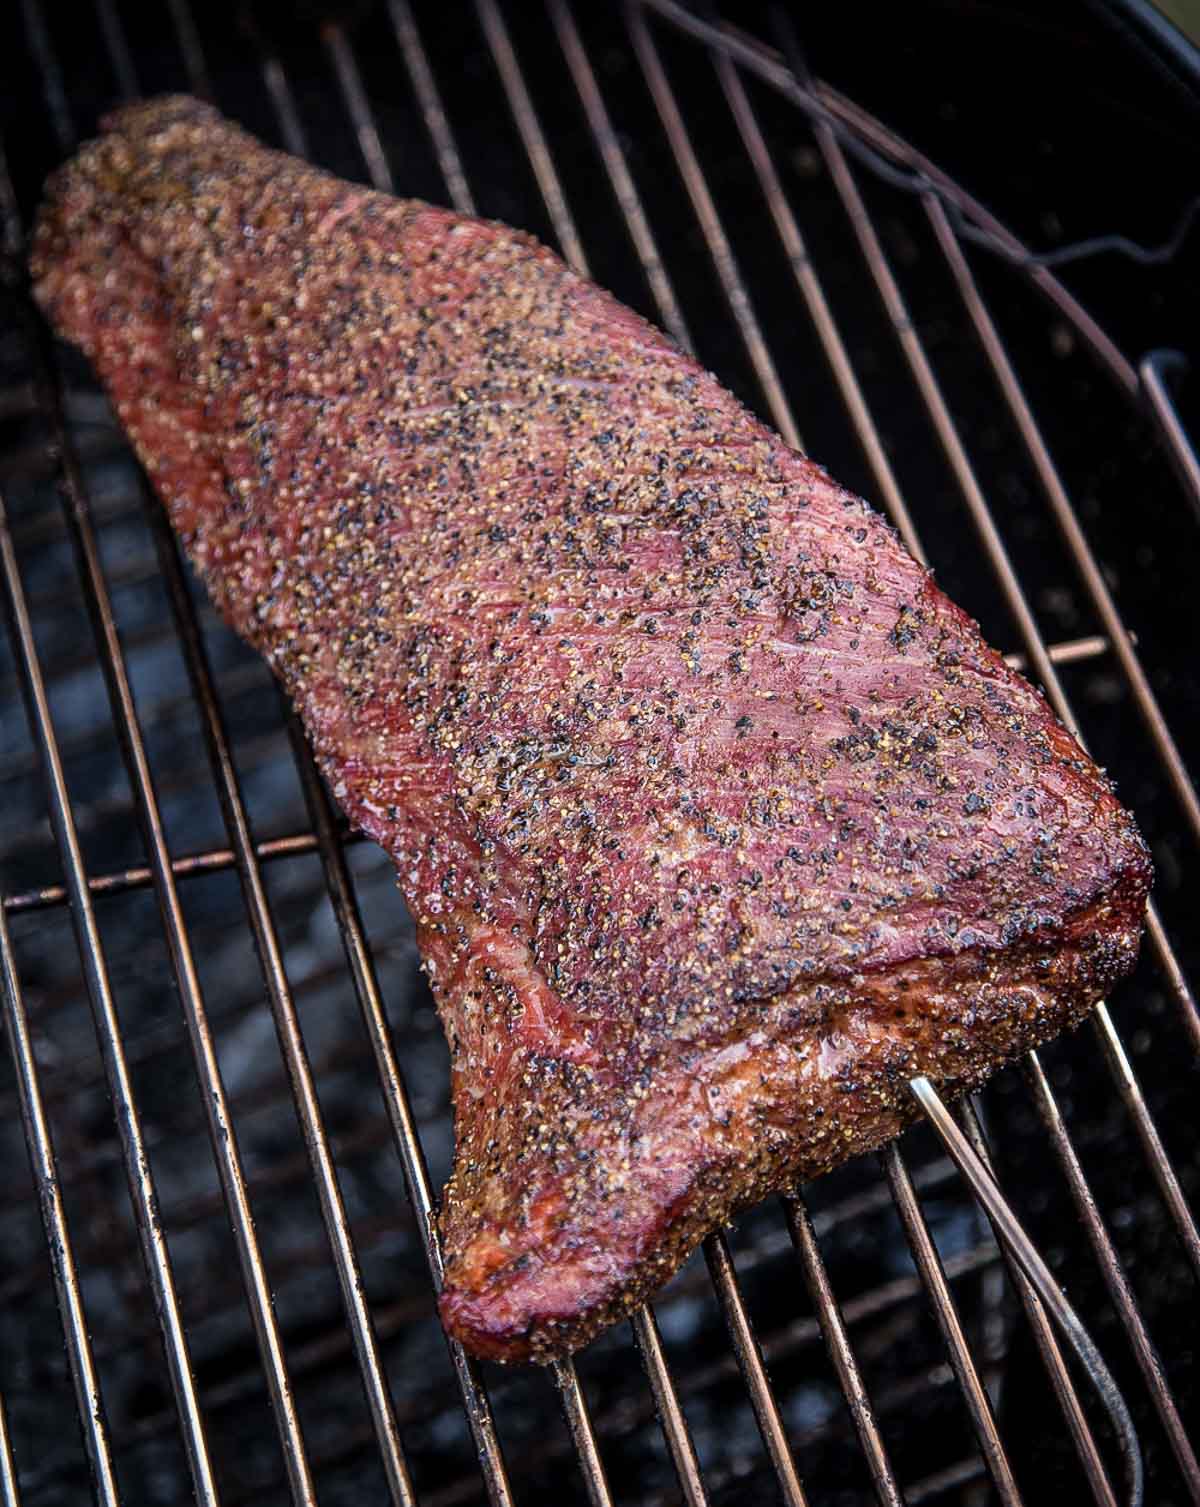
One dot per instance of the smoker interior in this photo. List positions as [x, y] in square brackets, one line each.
[355, 88]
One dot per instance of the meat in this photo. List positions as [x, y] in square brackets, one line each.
[716, 819]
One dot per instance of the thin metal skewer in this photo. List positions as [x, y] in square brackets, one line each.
[1010, 1231]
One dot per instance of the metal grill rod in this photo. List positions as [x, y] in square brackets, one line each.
[361, 961]
[818, 308]
[721, 252]
[189, 44]
[716, 1250]
[1115, 1280]
[933, 1276]
[10, 229]
[998, 558]
[118, 50]
[519, 102]
[1162, 1398]
[53, 87]
[571, 1395]
[1012, 1235]
[1110, 357]
[769, 65]
[1164, 1171]
[821, 315]
[283, 1009]
[1119, 1064]
[930, 1487]
[426, 90]
[142, 1193]
[221, 1129]
[912, 1218]
[1151, 372]
[1045, 1339]
[667, 1406]
[1067, 519]
[351, 84]
[294, 138]
[750, 1362]
[430, 101]
[619, 176]
[396, 1100]
[139, 877]
[583, 1435]
[938, 410]
[89, 1403]
[10, 1494]
[837, 1342]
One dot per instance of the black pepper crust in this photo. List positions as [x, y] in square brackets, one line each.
[717, 819]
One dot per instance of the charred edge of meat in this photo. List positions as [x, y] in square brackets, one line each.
[957, 1020]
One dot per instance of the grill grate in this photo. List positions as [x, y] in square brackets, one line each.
[257, 781]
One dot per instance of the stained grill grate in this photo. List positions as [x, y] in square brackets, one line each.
[188, 635]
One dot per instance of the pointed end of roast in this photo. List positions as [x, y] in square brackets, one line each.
[536, 1315]
[542, 1255]
[538, 1288]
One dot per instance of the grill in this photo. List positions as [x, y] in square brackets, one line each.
[222, 1257]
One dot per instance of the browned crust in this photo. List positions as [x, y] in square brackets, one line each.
[626, 1074]
[824, 1081]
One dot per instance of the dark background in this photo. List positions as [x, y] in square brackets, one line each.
[1063, 123]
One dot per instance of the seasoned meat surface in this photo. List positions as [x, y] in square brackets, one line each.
[717, 820]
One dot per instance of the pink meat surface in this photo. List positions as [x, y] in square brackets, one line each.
[717, 820]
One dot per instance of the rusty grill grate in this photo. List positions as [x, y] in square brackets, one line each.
[258, 1315]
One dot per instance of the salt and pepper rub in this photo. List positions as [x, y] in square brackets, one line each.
[717, 820]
